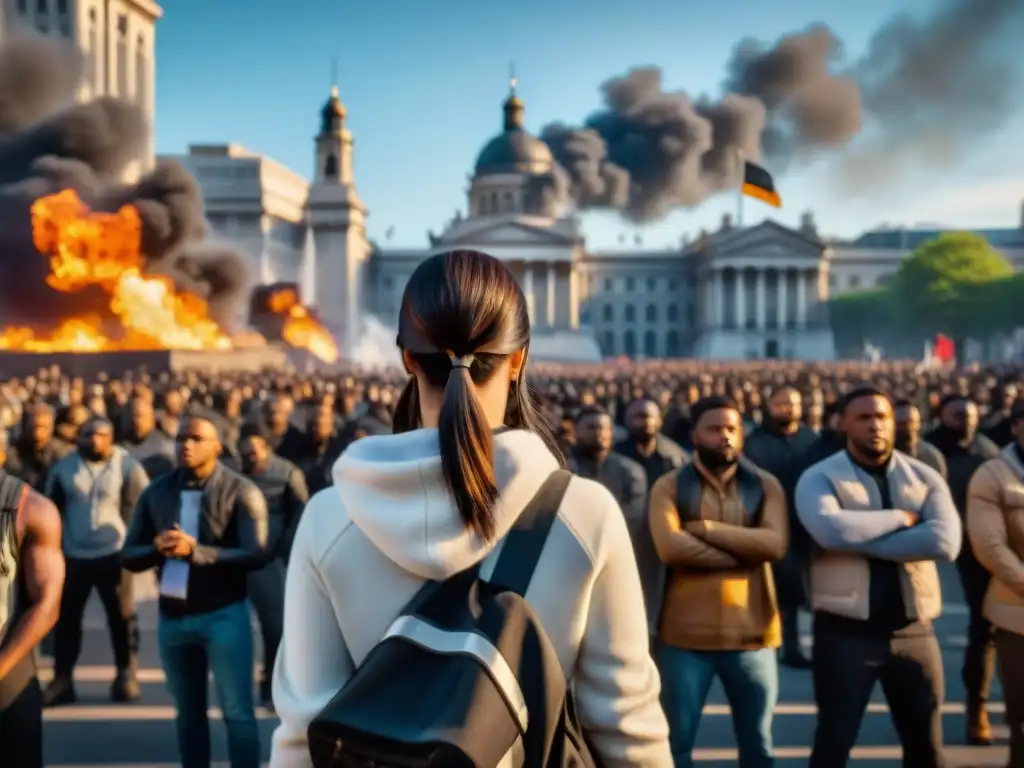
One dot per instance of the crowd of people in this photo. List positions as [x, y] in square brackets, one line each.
[744, 493]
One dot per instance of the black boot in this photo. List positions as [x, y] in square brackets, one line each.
[61, 690]
[125, 687]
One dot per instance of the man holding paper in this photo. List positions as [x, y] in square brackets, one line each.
[204, 527]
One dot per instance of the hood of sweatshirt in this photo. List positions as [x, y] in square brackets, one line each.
[394, 491]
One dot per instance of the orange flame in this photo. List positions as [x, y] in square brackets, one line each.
[104, 250]
[301, 329]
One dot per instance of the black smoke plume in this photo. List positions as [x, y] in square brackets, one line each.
[49, 143]
[925, 93]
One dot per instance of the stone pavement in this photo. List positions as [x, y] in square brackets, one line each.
[96, 732]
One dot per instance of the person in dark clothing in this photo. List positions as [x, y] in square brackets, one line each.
[880, 520]
[593, 458]
[998, 427]
[284, 488]
[656, 455]
[965, 451]
[286, 439]
[323, 447]
[646, 445]
[908, 437]
[203, 527]
[36, 449]
[830, 440]
[780, 446]
[144, 442]
[678, 426]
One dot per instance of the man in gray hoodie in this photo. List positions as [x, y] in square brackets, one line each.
[878, 520]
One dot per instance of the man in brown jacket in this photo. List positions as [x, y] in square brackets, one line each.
[718, 524]
[995, 525]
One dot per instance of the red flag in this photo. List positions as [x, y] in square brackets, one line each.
[944, 350]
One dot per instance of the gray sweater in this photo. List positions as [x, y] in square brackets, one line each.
[95, 500]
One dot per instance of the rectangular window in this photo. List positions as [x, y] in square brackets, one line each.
[122, 56]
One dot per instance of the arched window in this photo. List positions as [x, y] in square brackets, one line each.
[93, 58]
[650, 344]
[672, 344]
[608, 313]
[630, 313]
[651, 313]
[331, 167]
[672, 310]
[609, 344]
[629, 343]
[122, 56]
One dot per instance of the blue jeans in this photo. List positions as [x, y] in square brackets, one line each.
[751, 683]
[190, 648]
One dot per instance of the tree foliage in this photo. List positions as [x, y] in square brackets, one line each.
[955, 284]
[933, 286]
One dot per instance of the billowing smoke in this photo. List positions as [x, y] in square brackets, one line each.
[935, 90]
[925, 93]
[49, 143]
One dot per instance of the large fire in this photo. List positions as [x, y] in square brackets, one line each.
[88, 248]
[300, 328]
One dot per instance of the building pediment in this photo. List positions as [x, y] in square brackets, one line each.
[766, 244]
[524, 232]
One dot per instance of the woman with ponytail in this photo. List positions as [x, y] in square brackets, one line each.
[438, 496]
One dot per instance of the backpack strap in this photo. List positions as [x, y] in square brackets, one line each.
[525, 542]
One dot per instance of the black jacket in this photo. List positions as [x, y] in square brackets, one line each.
[232, 537]
[284, 487]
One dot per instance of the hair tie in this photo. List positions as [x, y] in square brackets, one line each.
[463, 361]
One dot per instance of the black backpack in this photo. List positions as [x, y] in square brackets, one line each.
[465, 677]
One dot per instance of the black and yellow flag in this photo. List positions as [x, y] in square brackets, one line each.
[757, 182]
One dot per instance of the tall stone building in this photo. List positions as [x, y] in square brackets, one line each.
[118, 40]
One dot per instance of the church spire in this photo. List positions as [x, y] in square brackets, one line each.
[332, 116]
[513, 106]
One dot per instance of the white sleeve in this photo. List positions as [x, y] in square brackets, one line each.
[313, 662]
[616, 682]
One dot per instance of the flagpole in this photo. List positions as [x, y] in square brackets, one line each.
[739, 189]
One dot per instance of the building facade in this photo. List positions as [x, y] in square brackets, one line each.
[737, 293]
[118, 41]
[873, 259]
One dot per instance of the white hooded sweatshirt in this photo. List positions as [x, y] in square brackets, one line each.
[365, 546]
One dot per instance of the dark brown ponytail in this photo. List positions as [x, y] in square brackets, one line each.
[463, 313]
[467, 453]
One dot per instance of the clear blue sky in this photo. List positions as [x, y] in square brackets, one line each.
[423, 83]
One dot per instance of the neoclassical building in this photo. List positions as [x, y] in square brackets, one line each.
[736, 293]
[118, 43]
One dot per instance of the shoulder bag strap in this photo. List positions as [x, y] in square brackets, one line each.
[525, 542]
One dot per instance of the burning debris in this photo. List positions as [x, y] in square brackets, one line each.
[87, 262]
[278, 313]
[102, 251]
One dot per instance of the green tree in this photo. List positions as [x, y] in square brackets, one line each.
[934, 287]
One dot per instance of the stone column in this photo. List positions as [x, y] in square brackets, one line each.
[266, 256]
[550, 296]
[718, 298]
[574, 297]
[740, 299]
[782, 298]
[528, 290]
[801, 298]
[762, 299]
